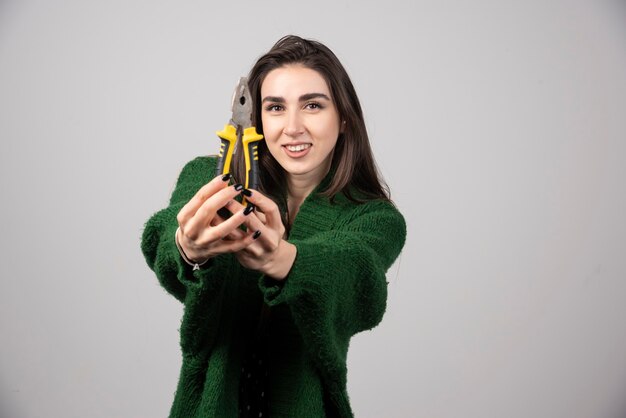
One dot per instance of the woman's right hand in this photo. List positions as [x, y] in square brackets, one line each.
[202, 232]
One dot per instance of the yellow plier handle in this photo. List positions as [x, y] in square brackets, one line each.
[228, 136]
[250, 141]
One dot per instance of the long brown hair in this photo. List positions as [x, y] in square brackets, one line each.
[354, 171]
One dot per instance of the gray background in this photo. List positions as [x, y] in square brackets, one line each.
[499, 126]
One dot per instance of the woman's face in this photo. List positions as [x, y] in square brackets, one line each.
[300, 121]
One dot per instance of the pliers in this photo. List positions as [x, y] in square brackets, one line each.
[240, 130]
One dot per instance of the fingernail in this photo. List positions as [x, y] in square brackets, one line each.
[226, 177]
[248, 210]
[246, 192]
[238, 187]
[256, 235]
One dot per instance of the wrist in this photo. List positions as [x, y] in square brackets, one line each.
[283, 261]
[196, 265]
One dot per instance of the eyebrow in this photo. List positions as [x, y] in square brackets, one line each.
[303, 98]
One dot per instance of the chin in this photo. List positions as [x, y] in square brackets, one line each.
[303, 170]
[296, 171]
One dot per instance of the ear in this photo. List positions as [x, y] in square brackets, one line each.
[342, 127]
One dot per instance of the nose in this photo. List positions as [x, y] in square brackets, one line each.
[293, 125]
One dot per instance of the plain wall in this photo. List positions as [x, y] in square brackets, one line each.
[500, 127]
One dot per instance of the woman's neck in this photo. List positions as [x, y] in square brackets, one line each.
[299, 187]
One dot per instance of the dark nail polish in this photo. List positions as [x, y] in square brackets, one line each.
[248, 210]
[238, 187]
[226, 177]
[246, 192]
[256, 235]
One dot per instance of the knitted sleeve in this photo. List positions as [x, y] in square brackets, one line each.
[158, 244]
[337, 286]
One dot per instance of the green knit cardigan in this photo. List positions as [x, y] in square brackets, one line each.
[335, 289]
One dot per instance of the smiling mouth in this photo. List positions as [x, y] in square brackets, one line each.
[296, 148]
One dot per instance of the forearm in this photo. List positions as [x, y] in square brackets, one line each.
[342, 270]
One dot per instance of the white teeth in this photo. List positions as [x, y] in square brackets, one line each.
[296, 148]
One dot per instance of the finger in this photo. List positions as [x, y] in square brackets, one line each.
[236, 246]
[264, 232]
[253, 251]
[230, 227]
[254, 212]
[200, 197]
[208, 210]
[261, 216]
[266, 205]
[235, 206]
[235, 234]
[252, 221]
[238, 206]
[217, 219]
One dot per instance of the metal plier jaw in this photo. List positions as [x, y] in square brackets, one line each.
[240, 129]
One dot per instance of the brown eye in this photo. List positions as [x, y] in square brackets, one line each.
[313, 106]
[274, 108]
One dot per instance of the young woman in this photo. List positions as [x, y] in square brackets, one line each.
[269, 314]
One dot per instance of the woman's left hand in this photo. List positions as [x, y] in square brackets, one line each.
[269, 253]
